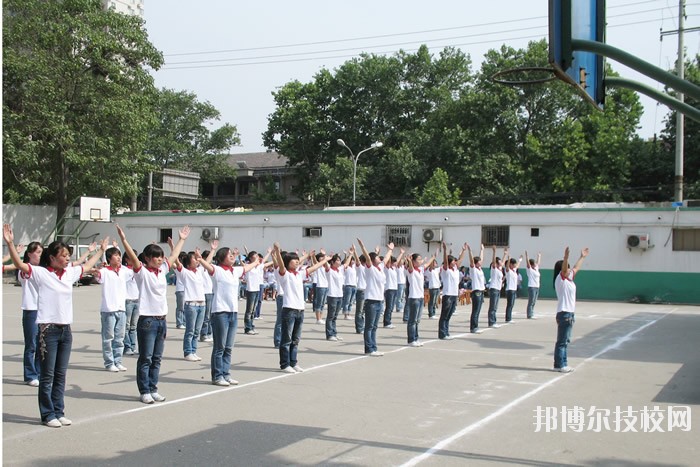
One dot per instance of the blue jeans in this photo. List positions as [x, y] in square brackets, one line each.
[55, 343]
[132, 317]
[400, 297]
[277, 334]
[194, 317]
[372, 311]
[320, 294]
[389, 305]
[113, 325]
[206, 324]
[224, 326]
[180, 309]
[151, 334]
[477, 301]
[432, 301]
[349, 292]
[251, 301]
[292, 321]
[261, 294]
[31, 358]
[449, 304]
[494, 297]
[332, 316]
[532, 294]
[359, 311]
[307, 290]
[565, 324]
[415, 307]
[510, 303]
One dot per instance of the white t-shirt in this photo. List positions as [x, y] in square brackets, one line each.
[321, 276]
[361, 282]
[374, 282]
[55, 293]
[30, 293]
[511, 279]
[477, 276]
[254, 278]
[292, 285]
[336, 277]
[193, 283]
[416, 281]
[114, 287]
[533, 276]
[206, 280]
[566, 292]
[450, 281]
[400, 275]
[153, 286]
[496, 280]
[433, 278]
[351, 276]
[391, 279]
[226, 282]
[132, 288]
[280, 292]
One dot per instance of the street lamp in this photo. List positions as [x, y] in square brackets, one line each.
[375, 145]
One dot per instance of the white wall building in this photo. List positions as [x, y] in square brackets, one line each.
[638, 253]
[127, 7]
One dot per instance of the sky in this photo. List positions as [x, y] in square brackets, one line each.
[236, 54]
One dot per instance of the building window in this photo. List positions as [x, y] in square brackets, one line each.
[400, 235]
[686, 239]
[312, 231]
[165, 234]
[535, 232]
[497, 235]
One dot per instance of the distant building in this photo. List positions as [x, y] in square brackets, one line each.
[127, 7]
[263, 178]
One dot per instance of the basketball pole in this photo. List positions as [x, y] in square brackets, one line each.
[680, 121]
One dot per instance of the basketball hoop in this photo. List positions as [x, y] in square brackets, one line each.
[528, 72]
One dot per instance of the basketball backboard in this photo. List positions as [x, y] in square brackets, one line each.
[578, 19]
[95, 209]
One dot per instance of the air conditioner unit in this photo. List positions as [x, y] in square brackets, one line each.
[210, 233]
[315, 232]
[639, 241]
[432, 235]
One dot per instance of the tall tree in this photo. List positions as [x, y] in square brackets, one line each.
[182, 137]
[77, 101]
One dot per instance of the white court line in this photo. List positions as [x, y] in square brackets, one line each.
[478, 424]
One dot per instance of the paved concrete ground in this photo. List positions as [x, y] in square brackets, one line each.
[472, 400]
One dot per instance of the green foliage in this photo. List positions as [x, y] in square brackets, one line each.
[182, 139]
[437, 192]
[77, 101]
[269, 192]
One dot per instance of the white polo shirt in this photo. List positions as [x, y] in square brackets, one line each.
[254, 278]
[336, 277]
[361, 282]
[400, 275]
[496, 280]
[416, 282]
[533, 276]
[132, 288]
[206, 280]
[477, 276]
[55, 293]
[566, 292]
[226, 281]
[114, 288]
[192, 282]
[511, 279]
[153, 286]
[350, 276]
[433, 277]
[374, 282]
[292, 285]
[30, 293]
[450, 281]
[321, 276]
[391, 278]
[280, 292]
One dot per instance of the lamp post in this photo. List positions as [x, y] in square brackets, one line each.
[355, 158]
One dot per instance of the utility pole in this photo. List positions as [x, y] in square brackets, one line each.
[680, 118]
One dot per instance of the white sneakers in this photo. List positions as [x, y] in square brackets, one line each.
[289, 370]
[151, 398]
[193, 357]
[33, 383]
[112, 368]
[376, 354]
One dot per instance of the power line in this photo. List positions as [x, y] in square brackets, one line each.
[288, 58]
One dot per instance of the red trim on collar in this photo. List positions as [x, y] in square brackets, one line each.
[55, 271]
